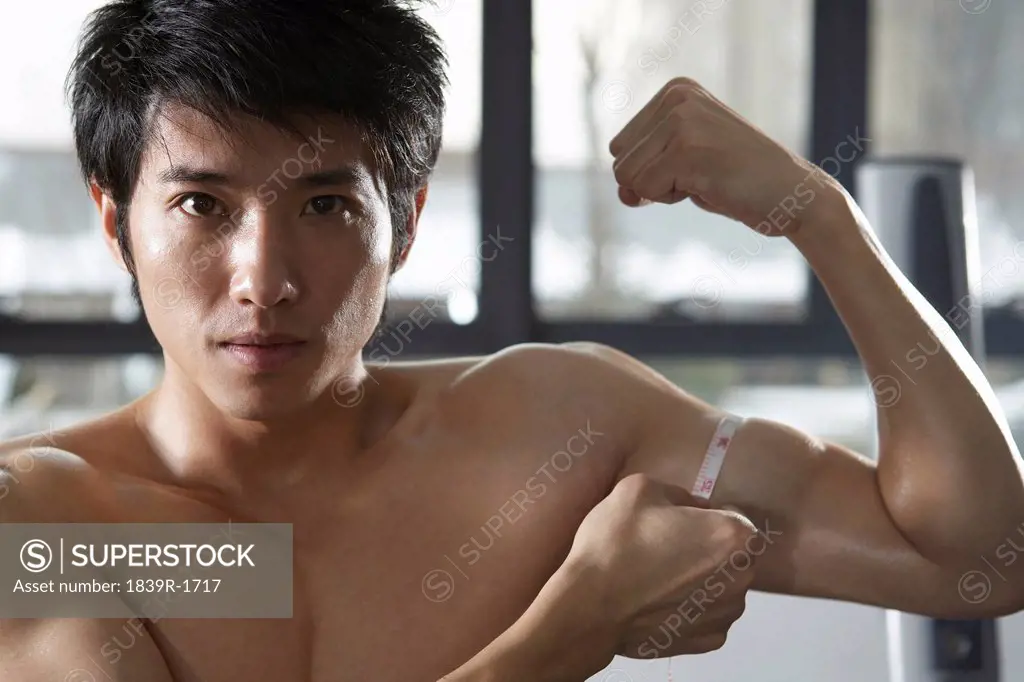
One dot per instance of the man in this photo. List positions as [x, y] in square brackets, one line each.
[263, 284]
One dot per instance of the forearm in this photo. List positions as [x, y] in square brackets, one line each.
[548, 643]
[948, 469]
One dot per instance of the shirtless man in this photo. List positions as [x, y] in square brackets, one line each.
[278, 285]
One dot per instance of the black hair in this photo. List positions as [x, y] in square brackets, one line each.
[375, 63]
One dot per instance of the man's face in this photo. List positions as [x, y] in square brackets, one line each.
[259, 233]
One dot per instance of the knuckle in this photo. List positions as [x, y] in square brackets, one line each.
[676, 94]
[682, 92]
[673, 94]
[685, 82]
[636, 486]
[617, 146]
[681, 113]
[685, 133]
[682, 140]
[621, 173]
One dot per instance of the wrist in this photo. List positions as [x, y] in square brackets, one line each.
[561, 637]
[567, 634]
[829, 222]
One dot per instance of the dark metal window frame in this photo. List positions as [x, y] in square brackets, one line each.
[508, 314]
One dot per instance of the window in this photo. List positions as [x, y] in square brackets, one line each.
[596, 64]
[449, 229]
[945, 81]
[53, 263]
[830, 399]
[38, 394]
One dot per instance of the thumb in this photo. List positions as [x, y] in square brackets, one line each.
[681, 497]
[631, 198]
[745, 517]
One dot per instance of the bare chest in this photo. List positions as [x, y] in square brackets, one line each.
[407, 579]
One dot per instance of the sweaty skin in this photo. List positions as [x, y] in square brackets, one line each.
[487, 468]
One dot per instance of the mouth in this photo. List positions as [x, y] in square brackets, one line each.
[263, 354]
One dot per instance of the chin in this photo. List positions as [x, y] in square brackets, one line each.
[255, 402]
[257, 411]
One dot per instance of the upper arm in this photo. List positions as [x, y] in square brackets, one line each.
[825, 528]
[79, 650]
[45, 485]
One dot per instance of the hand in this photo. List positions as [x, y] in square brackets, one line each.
[645, 563]
[685, 143]
[658, 569]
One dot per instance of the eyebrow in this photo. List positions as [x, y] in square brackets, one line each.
[342, 175]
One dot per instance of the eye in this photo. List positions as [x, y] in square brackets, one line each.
[201, 205]
[324, 205]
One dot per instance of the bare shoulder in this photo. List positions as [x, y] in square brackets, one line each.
[108, 442]
[546, 373]
[533, 415]
[585, 375]
[61, 475]
[593, 383]
[525, 365]
[553, 386]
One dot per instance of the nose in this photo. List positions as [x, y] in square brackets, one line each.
[264, 275]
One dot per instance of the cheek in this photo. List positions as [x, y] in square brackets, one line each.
[171, 264]
[361, 284]
[375, 243]
[153, 245]
[368, 273]
[379, 240]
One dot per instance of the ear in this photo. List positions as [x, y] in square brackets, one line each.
[412, 226]
[108, 221]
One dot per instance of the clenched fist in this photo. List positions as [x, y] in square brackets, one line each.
[685, 143]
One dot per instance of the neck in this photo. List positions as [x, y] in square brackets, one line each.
[204, 447]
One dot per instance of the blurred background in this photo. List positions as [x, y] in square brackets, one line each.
[537, 91]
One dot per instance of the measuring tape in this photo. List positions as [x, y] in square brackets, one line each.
[712, 465]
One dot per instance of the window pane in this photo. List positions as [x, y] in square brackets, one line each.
[945, 80]
[37, 394]
[597, 62]
[449, 229]
[53, 263]
[830, 399]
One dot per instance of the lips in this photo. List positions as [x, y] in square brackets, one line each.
[258, 339]
[263, 352]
